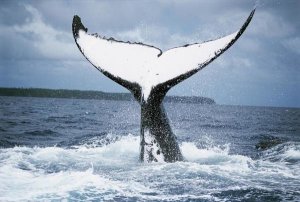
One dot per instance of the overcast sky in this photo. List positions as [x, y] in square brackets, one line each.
[262, 68]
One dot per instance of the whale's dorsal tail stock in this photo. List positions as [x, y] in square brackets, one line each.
[149, 73]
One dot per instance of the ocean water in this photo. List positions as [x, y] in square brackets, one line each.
[87, 150]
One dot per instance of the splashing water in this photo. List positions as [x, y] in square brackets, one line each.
[96, 157]
[111, 172]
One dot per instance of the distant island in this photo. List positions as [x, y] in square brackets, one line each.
[97, 95]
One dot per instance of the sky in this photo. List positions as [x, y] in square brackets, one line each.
[262, 68]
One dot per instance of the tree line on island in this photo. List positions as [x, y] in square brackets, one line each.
[98, 95]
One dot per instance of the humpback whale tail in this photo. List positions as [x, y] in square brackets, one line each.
[148, 73]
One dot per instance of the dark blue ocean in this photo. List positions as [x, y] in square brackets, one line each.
[88, 150]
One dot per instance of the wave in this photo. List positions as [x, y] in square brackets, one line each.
[107, 168]
[41, 132]
[285, 152]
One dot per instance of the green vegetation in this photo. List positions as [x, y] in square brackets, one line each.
[98, 95]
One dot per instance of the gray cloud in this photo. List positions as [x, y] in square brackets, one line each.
[262, 68]
[292, 44]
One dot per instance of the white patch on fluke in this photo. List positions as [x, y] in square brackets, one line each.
[146, 65]
[152, 148]
[146, 91]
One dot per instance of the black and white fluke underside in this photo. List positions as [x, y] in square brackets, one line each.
[149, 73]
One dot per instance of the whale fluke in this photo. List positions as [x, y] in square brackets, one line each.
[149, 73]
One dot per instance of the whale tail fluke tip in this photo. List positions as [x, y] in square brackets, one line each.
[77, 25]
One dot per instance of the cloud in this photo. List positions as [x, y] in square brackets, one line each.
[15, 47]
[45, 39]
[293, 44]
[158, 36]
[261, 66]
[270, 25]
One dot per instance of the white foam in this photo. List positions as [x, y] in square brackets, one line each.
[293, 153]
[216, 157]
[24, 185]
[283, 152]
[104, 172]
